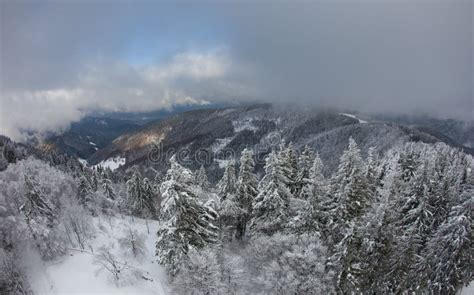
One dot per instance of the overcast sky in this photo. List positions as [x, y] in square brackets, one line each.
[63, 59]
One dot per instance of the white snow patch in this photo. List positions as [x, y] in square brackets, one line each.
[112, 163]
[222, 163]
[469, 290]
[220, 143]
[353, 117]
[225, 112]
[277, 121]
[83, 162]
[76, 272]
[91, 143]
[244, 124]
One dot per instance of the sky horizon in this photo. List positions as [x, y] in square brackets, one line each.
[61, 60]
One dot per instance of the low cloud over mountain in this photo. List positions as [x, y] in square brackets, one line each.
[61, 61]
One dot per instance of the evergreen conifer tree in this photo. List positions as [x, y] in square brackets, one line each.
[348, 194]
[247, 190]
[271, 204]
[446, 263]
[109, 192]
[289, 166]
[315, 192]
[303, 179]
[186, 222]
[201, 178]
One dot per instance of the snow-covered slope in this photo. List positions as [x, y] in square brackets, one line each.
[354, 117]
[78, 272]
[112, 163]
[469, 290]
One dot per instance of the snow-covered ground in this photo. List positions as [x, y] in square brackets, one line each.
[469, 290]
[220, 143]
[83, 162]
[79, 273]
[112, 163]
[353, 117]
[93, 145]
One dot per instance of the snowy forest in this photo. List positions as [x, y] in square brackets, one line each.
[204, 147]
[382, 223]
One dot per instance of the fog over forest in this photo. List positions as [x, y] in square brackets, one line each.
[236, 147]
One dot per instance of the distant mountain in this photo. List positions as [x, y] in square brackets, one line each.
[87, 136]
[97, 131]
[461, 132]
[217, 135]
[142, 118]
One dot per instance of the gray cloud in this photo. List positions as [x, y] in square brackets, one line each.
[188, 78]
[61, 60]
[369, 55]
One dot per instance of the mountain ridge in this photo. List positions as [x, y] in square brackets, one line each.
[235, 128]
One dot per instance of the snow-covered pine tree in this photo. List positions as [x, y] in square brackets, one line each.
[303, 178]
[229, 210]
[200, 274]
[448, 180]
[372, 176]
[346, 260]
[348, 193]
[3, 161]
[300, 209]
[201, 178]
[13, 279]
[404, 161]
[377, 232]
[246, 191]
[41, 218]
[227, 185]
[186, 222]
[107, 197]
[271, 204]
[446, 263]
[423, 204]
[149, 198]
[413, 226]
[289, 165]
[94, 183]
[84, 191]
[109, 174]
[140, 196]
[134, 194]
[109, 192]
[314, 182]
[36, 205]
[409, 161]
[361, 259]
[315, 192]
[229, 213]
[287, 264]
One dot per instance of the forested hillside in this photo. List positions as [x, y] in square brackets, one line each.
[236, 147]
[383, 222]
[214, 134]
